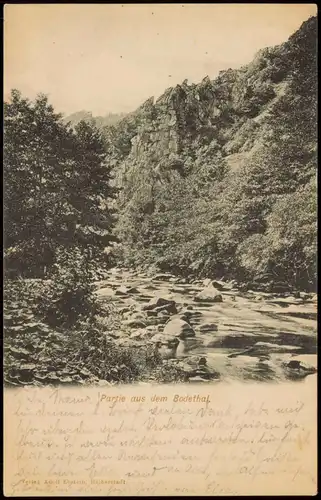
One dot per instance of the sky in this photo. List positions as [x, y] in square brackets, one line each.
[111, 57]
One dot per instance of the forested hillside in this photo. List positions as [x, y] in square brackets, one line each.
[219, 178]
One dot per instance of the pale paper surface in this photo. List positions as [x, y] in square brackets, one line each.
[250, 439]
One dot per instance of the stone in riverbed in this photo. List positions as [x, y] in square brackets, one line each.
[163, 317]
[167, 308]
[182, 281]
[140, 334]
[160, 337]
[138, 315]
[105, 292]
[125, 290]
[196, 361]
[219, 285]
[134, 323]
[166, 345]
[151, 313]
[134, 316]
[162, 277]
[151, 328]
[198, 380]
[124, 310]
[149, 287]
[179, 328]
[196, 366]
[121, 291]
[187, 314]
[156, 302]
[231, 340]
[265, 349]
[298, 369]
[181, 291]
[188, 345]
[209, 294]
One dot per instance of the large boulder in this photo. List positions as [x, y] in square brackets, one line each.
[209, 294]
[179, 328]
[196, 366]
[221, 286]
[196, 361]
[157, 302]
[168, 308]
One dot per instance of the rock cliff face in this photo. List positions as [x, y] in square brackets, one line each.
[196, 136]
[229, 113]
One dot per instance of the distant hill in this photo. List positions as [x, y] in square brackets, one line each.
[101, 121]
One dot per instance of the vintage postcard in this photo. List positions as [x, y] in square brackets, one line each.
[160, 223]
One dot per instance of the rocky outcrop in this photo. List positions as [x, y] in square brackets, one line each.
[176, 160]
[158, 304]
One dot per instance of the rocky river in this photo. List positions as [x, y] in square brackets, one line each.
[212, 330]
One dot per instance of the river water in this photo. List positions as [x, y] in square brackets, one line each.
[247, 336]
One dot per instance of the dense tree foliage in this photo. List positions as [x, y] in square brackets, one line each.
[57, 186]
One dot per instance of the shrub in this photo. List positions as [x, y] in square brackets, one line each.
[69, 296]
[170, 374]
[38, 354]
[95, 350]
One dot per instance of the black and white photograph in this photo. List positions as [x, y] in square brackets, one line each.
[160, 194]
